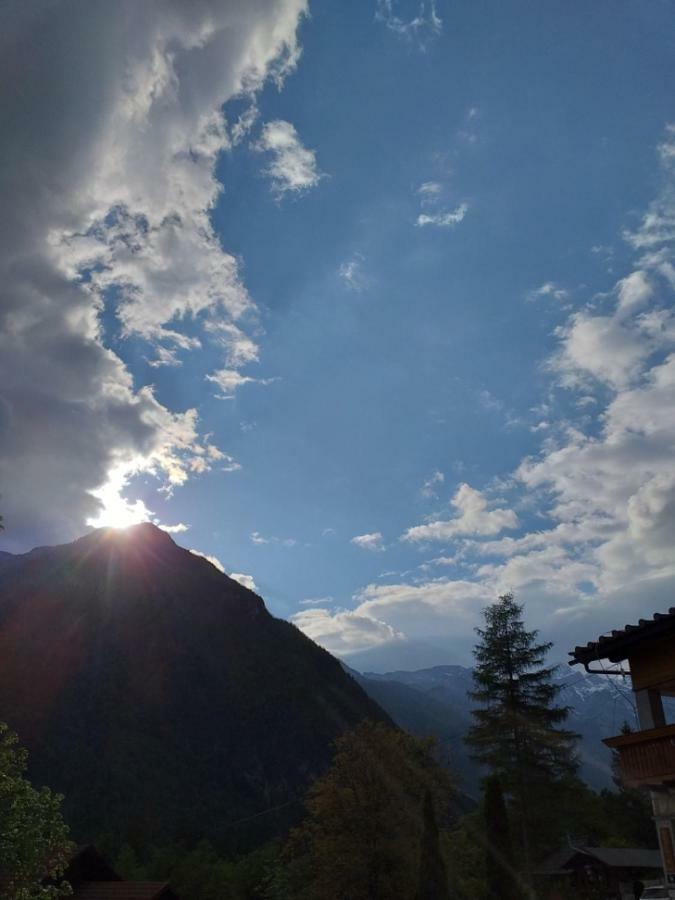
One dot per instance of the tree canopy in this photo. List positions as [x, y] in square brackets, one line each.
[34, 845]
[366, 830]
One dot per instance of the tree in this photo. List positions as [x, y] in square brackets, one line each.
[363, 832]
[500, 875]
[34, 845]
[433, 875]
[516, 731]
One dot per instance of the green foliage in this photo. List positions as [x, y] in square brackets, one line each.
[201, 873]
[34, 845]
[464, 846]
[516, 732]
[365, 824]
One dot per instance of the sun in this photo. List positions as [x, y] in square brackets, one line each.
[115, 510]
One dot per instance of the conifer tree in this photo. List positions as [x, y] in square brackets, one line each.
[500, 873]
[433, 876]
[517, 731]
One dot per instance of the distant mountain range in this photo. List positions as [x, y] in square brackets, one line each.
[435, 701]
[159, 695]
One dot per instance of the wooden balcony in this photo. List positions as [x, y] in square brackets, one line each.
[646, 758]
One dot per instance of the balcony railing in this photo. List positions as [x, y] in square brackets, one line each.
[646, 758]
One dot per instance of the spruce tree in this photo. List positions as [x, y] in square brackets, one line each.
[500, 874]
[433, 876]
[517, 731]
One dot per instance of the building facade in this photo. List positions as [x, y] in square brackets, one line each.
[646, 756]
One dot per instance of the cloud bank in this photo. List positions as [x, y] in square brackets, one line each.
[106, 186]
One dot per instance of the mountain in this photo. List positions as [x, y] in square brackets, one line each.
[435, 701]
[160, 696]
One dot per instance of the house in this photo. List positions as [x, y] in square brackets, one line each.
[92, 878]
[603, 871]
[646, 756]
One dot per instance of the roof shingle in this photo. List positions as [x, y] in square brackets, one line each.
[616, 646]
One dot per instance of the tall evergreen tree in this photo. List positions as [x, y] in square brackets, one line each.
[500, 874]
[517, 731]
[433, 875]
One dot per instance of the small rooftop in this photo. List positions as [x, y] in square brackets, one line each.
[612, 857]
[617, 645]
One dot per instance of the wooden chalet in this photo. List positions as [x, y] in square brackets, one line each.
[601, 871]
[92, 878]
[647, 756]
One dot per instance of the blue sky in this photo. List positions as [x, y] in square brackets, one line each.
[434, 253]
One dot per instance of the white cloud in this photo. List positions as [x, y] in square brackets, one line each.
[389, 613]
[657, 228]
[549, 289]
[420, 22]
[293, 167]
[258, 538]
[240, 348]
[344, 632]
[373, 542]
[474, 517]
[443, 220]
[212, 559]
[428, 489]
[353, 274]
[602, 347]
[488, 401]
[246, 580]
[469, 132]
[429, 192]
[179, 528]
[622, 478]
[411, 607]
[316, 601]
[113, 194]
[634, 292]
[228, 380]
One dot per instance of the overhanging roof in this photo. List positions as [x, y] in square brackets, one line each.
[558, 863]
[618, 645]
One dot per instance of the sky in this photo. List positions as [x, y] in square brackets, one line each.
[369, 302]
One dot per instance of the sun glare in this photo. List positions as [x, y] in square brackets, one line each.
[116, 511]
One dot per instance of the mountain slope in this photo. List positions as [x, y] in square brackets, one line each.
[420, 713]
[440, 706]
[159, 695]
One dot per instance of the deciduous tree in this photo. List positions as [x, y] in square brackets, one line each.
[34, 845]
[363, 834]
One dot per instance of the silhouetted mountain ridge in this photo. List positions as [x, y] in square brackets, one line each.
[159, 695]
